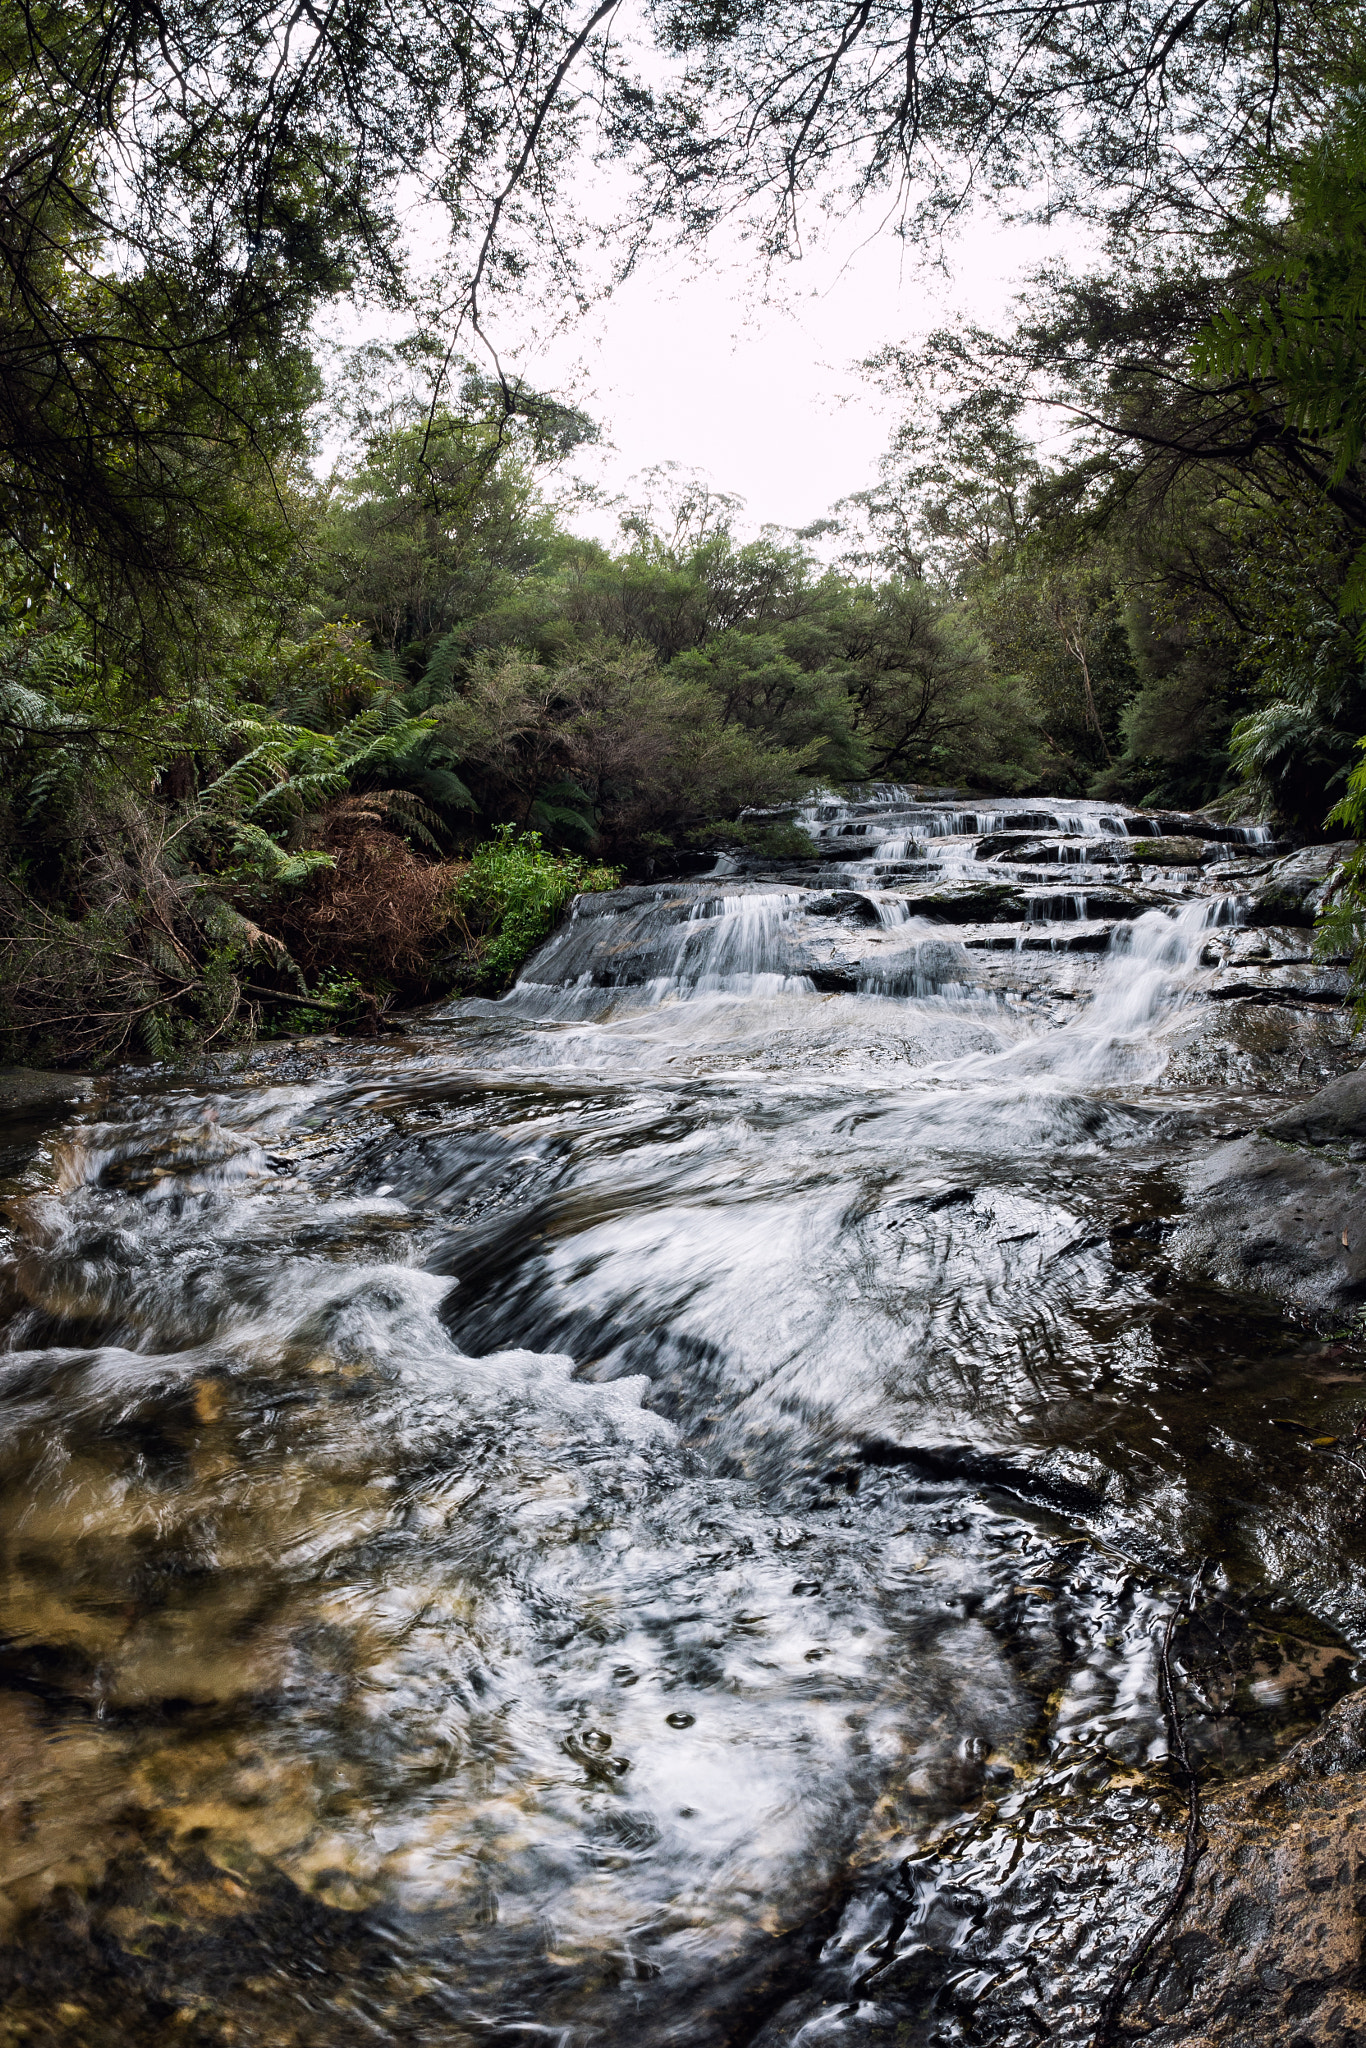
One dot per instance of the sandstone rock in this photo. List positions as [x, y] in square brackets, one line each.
[1168, 853]
[1105, 902]
[1267, 1950]
[1335, 1117]
[1293, 983]
[1085, 936]
[24, 1090]
[1285, 1211]
[969, 903]
[667, 901]
[998, 845]
[1024, 847]
[1293, 889]
[845, 904]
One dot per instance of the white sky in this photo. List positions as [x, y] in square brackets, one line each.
[765, 399]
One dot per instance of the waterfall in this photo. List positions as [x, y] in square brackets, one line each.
[510, 1531]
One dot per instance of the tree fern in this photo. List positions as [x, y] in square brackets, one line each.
[263, 859]
[288, 771]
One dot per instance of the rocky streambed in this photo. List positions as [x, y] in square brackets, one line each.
[706, 1502]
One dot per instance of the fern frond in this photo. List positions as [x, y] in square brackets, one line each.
[414, 818]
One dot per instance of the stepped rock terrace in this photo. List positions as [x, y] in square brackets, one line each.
[654, 1509]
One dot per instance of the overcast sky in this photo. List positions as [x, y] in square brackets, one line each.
[767, 400]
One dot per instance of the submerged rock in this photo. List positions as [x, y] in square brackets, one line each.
[1267, 1951]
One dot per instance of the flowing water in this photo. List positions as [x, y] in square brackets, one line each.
[644, 1512]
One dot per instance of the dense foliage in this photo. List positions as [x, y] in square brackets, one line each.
[274, 748]
[465, 716]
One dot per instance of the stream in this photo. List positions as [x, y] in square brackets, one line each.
[646, 1512]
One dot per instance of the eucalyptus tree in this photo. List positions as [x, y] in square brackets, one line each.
[186, 182]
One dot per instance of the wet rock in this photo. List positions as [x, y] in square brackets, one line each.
[664, 903]
[835, 977]
[1268, 1947]
[1027, 846]
[968, 903]
[1169, 853]
[1262, 946]
[1084, 936]
[846, 904]
[24, 1091]
[1023, 849]
[1267, 1213]
[1256, 1046]
[1271, 905]
[1288, 982]
[924, 967]
[1189, 825]
[1092, 903]
[1034, 821]
[996, 844]
[1293, 889]
[624, 937]
[1335, 1117]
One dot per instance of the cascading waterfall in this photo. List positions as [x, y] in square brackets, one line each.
[650, 1512]
[1148, 977]
[1056, 907]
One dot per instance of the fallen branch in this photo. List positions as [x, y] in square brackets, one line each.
[274, 995]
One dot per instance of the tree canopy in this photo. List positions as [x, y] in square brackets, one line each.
[187, 182]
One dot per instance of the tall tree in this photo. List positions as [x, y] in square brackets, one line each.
[185, 182]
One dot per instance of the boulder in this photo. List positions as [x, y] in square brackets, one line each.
[1335, 1117]
[1284, 1210]
[1293, 889]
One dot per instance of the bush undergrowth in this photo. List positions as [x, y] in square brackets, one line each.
[510, 898]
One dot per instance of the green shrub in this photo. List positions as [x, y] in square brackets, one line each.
[512, 896]
[339, 1000]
